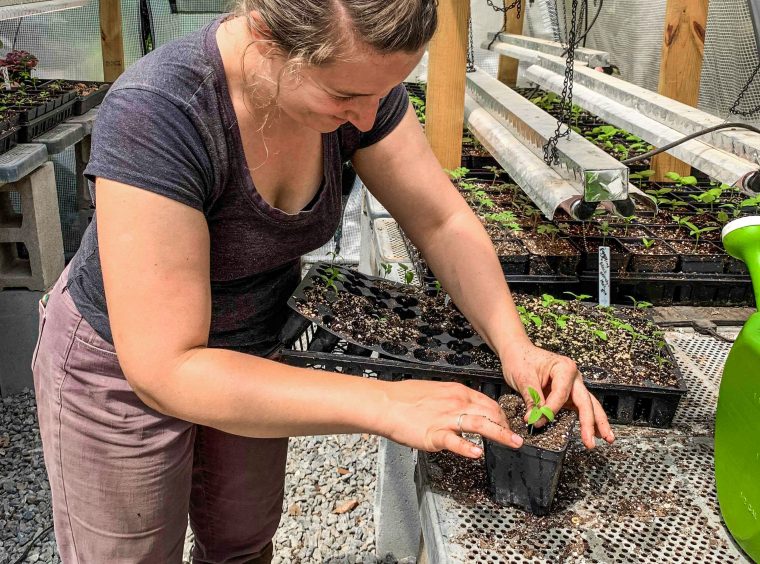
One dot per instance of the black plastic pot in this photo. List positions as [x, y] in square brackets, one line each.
[552, 264]
[514, 264]
[526, 477]
[45, 122]
[666, 261]
[589, 247]
[712, 263]
[86, 103]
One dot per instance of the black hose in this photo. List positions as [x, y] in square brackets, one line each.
[689, 138]
[591, 25]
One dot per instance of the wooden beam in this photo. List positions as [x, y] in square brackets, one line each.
[681, 65]
[447, 59]
[507, 65]
[111, 42]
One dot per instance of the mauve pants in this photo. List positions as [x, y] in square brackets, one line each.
[124, 477]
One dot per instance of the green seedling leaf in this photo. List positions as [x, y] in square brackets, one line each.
[673, 176]
[534, 416]
[547, 412]
[534, 395]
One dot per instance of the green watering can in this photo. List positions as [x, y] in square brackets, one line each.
[737, 421]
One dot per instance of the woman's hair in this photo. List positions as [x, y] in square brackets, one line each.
[318, 32]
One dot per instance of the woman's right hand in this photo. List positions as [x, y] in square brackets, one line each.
[426, 415]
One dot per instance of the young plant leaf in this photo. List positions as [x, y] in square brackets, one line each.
[534, 395]
[548, 413]
[535, 415]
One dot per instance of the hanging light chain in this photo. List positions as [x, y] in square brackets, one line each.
[566, 103]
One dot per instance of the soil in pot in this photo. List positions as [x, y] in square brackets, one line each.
[590, 259]
[657, 258]
[513, 256]
[703, 257]
[528, 476]
[551, 255]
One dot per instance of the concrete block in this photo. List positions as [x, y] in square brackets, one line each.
[21, 160]
[81, 158]
[397, 520]
[19, 319]
[61, 137]
[37, 227]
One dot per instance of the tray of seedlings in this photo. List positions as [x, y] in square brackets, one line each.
[664, 254]
[620, 351]
[87, 94]
[8, 129]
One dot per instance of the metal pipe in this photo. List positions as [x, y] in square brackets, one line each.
[716, 163]
[590, 57]
[602, 176]
[540, 182]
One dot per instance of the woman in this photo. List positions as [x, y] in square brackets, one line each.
[216, 161]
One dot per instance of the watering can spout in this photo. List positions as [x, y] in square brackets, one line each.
[741, 239]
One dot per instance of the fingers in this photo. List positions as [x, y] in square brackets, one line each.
[582, 400]
[564, 374]
[450, 439]
[603, 428]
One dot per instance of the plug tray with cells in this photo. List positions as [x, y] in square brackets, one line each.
[396, 320]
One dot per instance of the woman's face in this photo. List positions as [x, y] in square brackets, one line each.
[323, 98]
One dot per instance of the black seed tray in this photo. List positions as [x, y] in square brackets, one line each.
[8, 139]
[651, 405]
[45, 122]
[662, 289]
[86, 103]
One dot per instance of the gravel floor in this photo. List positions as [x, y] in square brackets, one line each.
[327, 514]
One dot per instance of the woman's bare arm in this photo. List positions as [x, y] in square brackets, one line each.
[155, 259]
[402, 171]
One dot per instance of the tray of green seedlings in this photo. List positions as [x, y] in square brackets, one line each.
[622, 354]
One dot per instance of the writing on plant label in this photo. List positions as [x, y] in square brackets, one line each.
[604, 276]
[6, 78]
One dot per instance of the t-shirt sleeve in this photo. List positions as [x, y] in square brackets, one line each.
[142, 139]
[389, 114]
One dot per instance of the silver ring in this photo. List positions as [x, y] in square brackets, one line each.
[459, 422]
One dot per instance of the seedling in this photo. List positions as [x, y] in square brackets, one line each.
[547, 300]
[754, 201]
[648, 243]
[529, 318]
[548, 229]
[641, 175]
[387, 268]
[538, 410]
[505, 219]
[604, 228]
[332, 274]
[496, 171]
[697, 232]
[681, 180]
[578, 297]
[628, 220]
[408, 272]
[419, 107]
[437, 286]
[639, 304]
[457, 174]
[709, 197]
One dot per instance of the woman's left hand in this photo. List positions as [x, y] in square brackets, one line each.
[531, 366]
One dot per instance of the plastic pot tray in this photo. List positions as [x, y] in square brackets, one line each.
[86, 103]
[526, 477]
[45, 122]
[324, 348]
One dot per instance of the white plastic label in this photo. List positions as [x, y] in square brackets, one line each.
[604, 276]
[6, 78]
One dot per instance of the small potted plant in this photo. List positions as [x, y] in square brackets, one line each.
[528, 476]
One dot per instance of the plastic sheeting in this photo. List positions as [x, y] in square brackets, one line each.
[632, 33]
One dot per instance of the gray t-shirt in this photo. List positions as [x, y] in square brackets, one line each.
[168, 126]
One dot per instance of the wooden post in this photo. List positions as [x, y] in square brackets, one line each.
[507, 65]
[111, 42]
[681, 65]
[447, 59]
